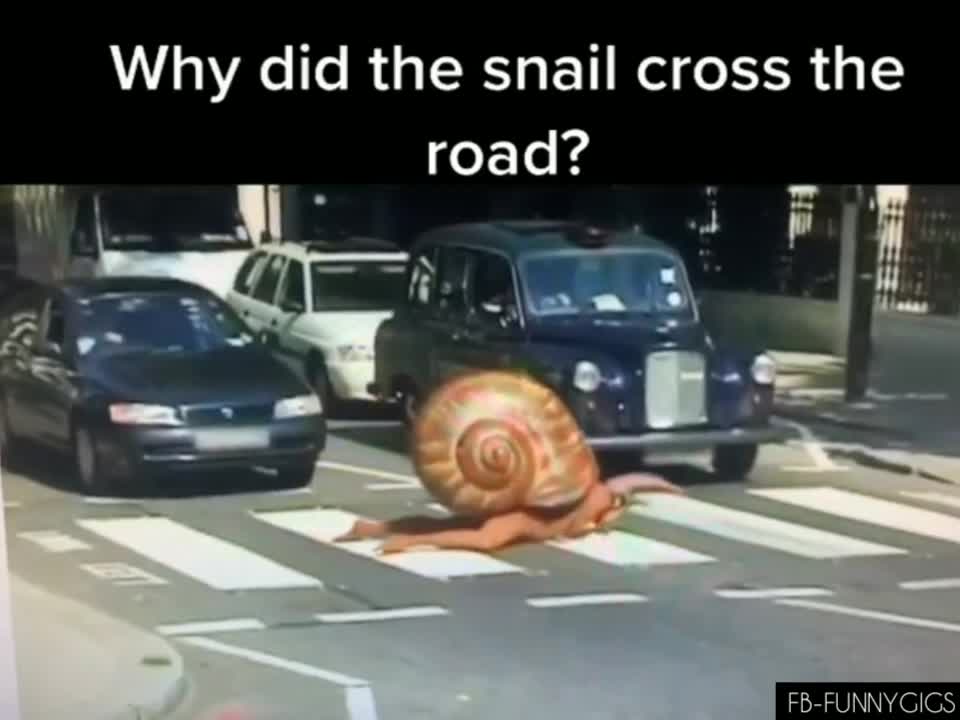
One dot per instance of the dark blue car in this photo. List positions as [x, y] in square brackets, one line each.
[139, 378]
[609, 321]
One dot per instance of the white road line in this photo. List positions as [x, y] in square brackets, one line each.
[371, 472]
[934, 497]
[583, 600]
[813, 469]
[324, 526]
[359, 695]
[626, 549]
[206, 559]
[379, 615]
[821, 460]
[106, 501]
[772, 593]
[53, 541]
[871, 615]
[384, 487]
[9, 505]
[211, 627]
[870, 510]
[938, 584]
[620, 548]
[122, 575]
[756, 529]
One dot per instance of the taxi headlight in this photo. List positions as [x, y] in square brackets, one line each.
[764, 370]
[586, 377]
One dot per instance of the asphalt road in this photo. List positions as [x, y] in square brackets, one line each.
[694, 608]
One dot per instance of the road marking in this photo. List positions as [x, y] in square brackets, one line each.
[756, 529]
[286, 493]
[556, 601]
[208, 560]
[821, 460]
[122, 575]
[359, 694]
[934, 497]
[772, 593]
[626, 549]
[813, 469]
[107, 501]
[399, 478]
[379, 615]
[870, 510]
[939, 584]
[325, 525]
[211, 627]
[872, 615]
[11, 504]
[383, 487]
[53, 541]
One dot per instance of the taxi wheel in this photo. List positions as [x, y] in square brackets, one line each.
[86, 462]
[734, 462]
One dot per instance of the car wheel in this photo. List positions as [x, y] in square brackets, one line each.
[87, 462]
[409, 406]
[297, 477]
[320, 382]
[10, 445]
[734, 462]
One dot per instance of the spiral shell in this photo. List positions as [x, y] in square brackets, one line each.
[491, 442]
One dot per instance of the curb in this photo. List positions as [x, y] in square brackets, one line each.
[801, 416]
[164, 705]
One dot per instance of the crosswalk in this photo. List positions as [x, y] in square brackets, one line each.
[660, 532]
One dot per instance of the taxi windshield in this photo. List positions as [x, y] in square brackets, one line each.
[622, 281]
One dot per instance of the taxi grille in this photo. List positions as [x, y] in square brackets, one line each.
[228, 414]
[675, 389]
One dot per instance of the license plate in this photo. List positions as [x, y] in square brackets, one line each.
[232, 439]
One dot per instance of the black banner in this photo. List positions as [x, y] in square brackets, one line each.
[886, 701]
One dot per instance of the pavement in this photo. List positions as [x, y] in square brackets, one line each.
[105, 669]
[909, 421]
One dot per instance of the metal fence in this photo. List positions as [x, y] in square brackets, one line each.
[918, 268]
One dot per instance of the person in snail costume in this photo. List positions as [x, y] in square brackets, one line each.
[504, 454]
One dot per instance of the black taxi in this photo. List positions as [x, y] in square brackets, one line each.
[609, 320]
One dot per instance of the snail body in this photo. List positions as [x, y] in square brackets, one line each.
[504, 454]
[492, 442]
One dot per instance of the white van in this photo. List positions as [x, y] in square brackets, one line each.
[319, 307]
[195, 234]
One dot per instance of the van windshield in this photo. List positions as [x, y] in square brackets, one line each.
[172, 221]
[357, 286]
[620, 281]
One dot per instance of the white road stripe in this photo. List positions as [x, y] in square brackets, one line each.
[938, 584]
[206, 559]
[756, 529]
[53, 541]
[871, 615]
[379, 615]
[383, 487]
[371, 472]
[324, 525]
[359, 695]
[934, 497]
[106, 501]
[11, 504]
[626, 549]
[809, 442]
[582, 600]
[870, 510]
[211, 627]
[772, 593]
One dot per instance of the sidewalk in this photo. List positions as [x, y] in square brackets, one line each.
[908, 432]
[74, 663]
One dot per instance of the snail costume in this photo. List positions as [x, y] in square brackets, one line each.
[504, 454]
